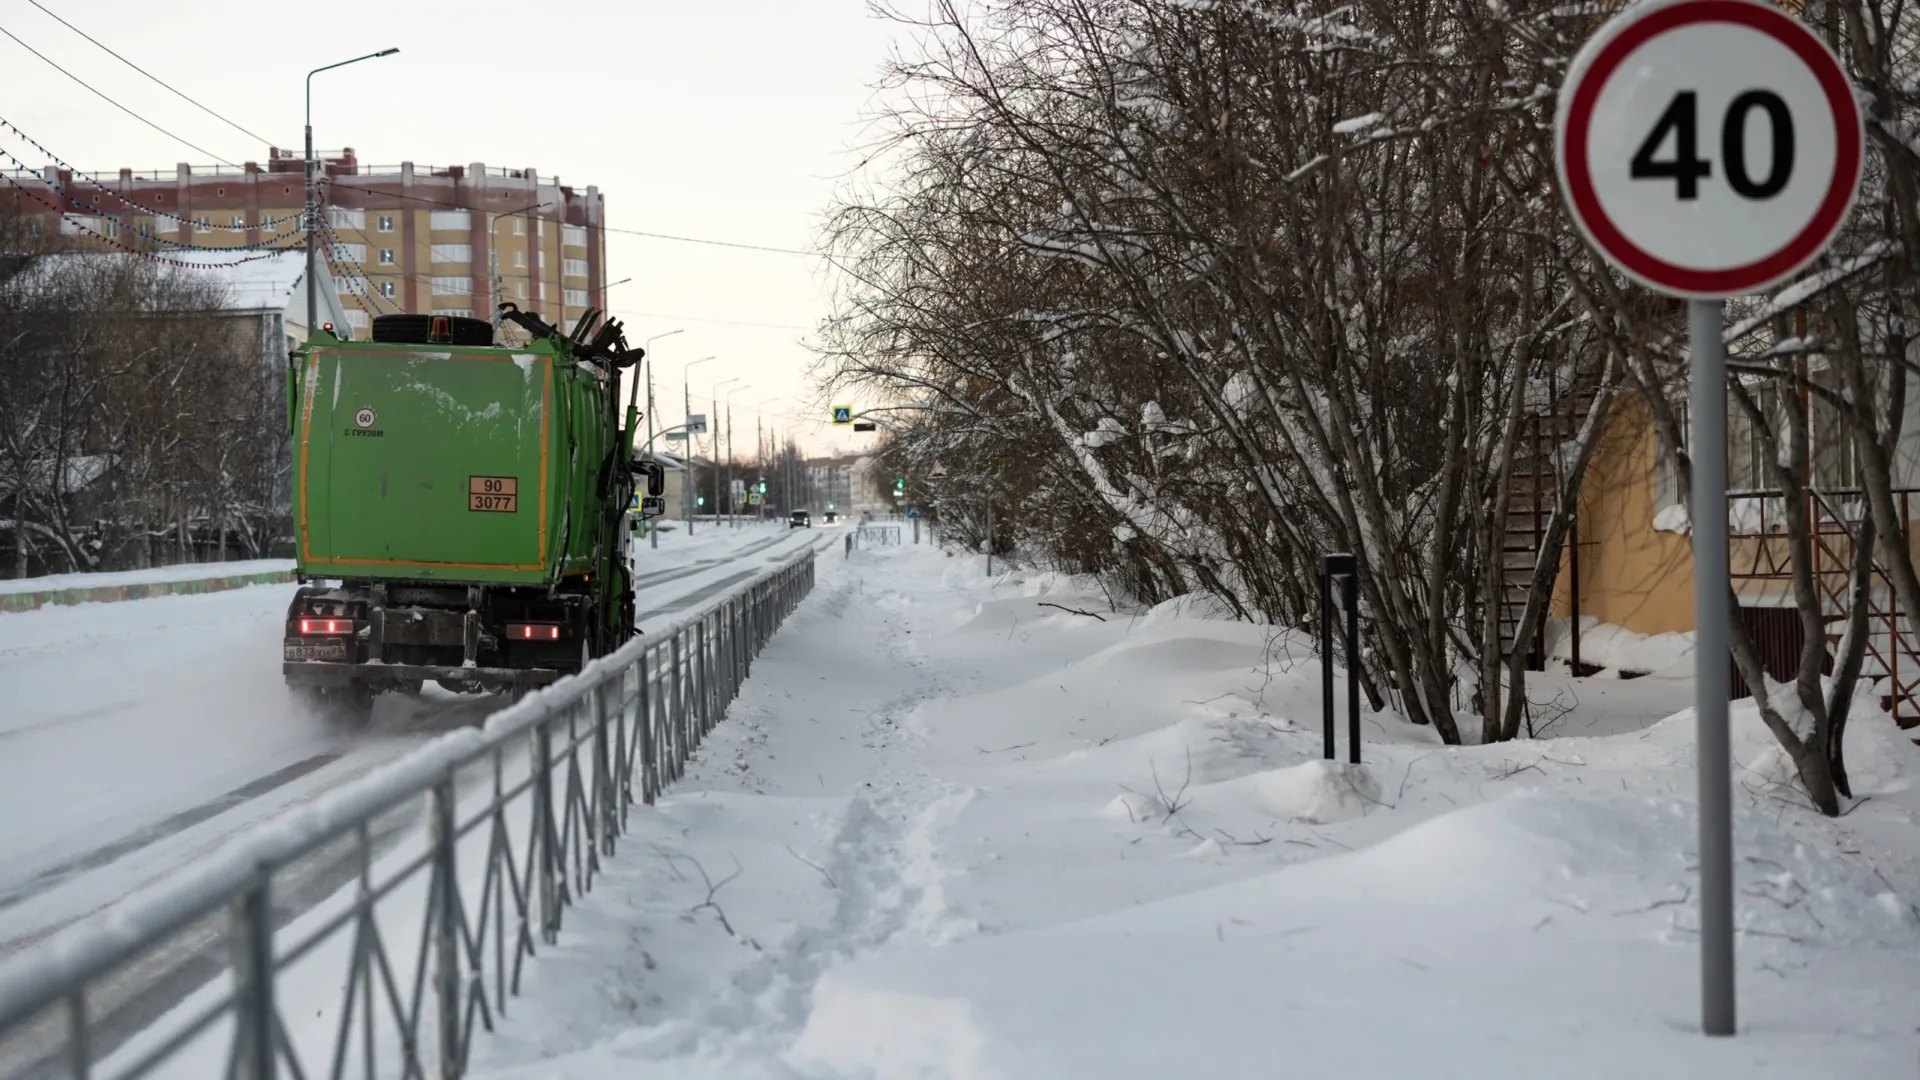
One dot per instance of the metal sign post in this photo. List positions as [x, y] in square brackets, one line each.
[1345, 567]
[1707, 149]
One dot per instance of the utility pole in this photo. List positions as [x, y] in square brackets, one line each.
[646, 355]
[653, 534]
[313, 216]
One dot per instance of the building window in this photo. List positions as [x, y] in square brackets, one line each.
[385, 222]
[521, 288]
[520, 260]
[451, 253]
[237, 221]
[356, 318]
[204, 224]
[220, 191]
[354, 252]
[449, 219]
[342, 218]
[444, 286]
[519, 226]
[110, 229]
[463, 312]
[576, 298]
[576, 235]
[387, 289]
[386, 256]
[576, 268]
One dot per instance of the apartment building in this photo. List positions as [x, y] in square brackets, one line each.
[452, 240]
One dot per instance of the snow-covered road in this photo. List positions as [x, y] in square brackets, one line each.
[993, 829]
[135, 736]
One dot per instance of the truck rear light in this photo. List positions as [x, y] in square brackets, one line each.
[535, 631]
[326, 626]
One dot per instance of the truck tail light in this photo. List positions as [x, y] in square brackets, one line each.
[326, 626]
[535, 631]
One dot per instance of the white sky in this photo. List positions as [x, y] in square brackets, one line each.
[730, 121]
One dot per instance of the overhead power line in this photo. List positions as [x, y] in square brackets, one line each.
[170, 89]
[444, 205]
[102, 96]
[718, 322]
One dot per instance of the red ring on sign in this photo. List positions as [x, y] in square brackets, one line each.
[1739, 279]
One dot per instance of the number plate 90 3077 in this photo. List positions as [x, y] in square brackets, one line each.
[498, 494]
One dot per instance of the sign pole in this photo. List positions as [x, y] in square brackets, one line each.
[1706, 325]
[1707, 149]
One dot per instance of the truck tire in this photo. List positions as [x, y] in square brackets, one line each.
[416, 329]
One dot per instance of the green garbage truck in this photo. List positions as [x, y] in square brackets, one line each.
[460, 507]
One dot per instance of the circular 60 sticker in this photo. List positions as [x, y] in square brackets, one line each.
[364, 416]
[1708, 148]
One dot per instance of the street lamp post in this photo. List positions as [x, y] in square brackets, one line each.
[760, 441]
[653, 534]
[686, 395]
[312, 210]
[714, 428]
[733, 520]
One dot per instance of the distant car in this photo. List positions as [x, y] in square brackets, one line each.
[799, 519]
[832, 517]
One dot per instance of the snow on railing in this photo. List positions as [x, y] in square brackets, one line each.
[336, 933]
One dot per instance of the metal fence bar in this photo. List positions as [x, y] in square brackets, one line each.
[613, 736]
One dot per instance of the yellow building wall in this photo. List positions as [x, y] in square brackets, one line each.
[1630, 574]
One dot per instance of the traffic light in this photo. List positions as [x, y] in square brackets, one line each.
[763, 487]
[829, 506]
[900, 484]
[700, 500]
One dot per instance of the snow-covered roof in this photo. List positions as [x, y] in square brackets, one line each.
[258, 285]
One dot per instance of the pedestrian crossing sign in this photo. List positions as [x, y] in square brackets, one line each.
[843, 414]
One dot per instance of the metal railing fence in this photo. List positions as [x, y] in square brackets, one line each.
[305, 918]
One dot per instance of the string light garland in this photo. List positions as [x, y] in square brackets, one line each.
[148, 255]
[336, 254]
[55, 158]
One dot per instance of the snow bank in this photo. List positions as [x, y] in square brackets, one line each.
[1609, 646]
[1564, 917]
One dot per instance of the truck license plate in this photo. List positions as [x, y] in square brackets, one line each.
[332, 650]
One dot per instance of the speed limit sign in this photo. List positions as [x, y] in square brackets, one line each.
[1708, 148]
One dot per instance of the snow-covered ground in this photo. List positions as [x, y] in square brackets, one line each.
[960, 827]
[151, 576]
[135, 736]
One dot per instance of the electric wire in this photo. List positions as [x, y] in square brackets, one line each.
[138, 207]
[148, 74]
[104, 97]
[148, 255]
[440, 204]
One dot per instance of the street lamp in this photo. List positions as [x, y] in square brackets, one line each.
[312, 214]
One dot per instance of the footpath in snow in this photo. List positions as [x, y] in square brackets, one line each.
[990, 828]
